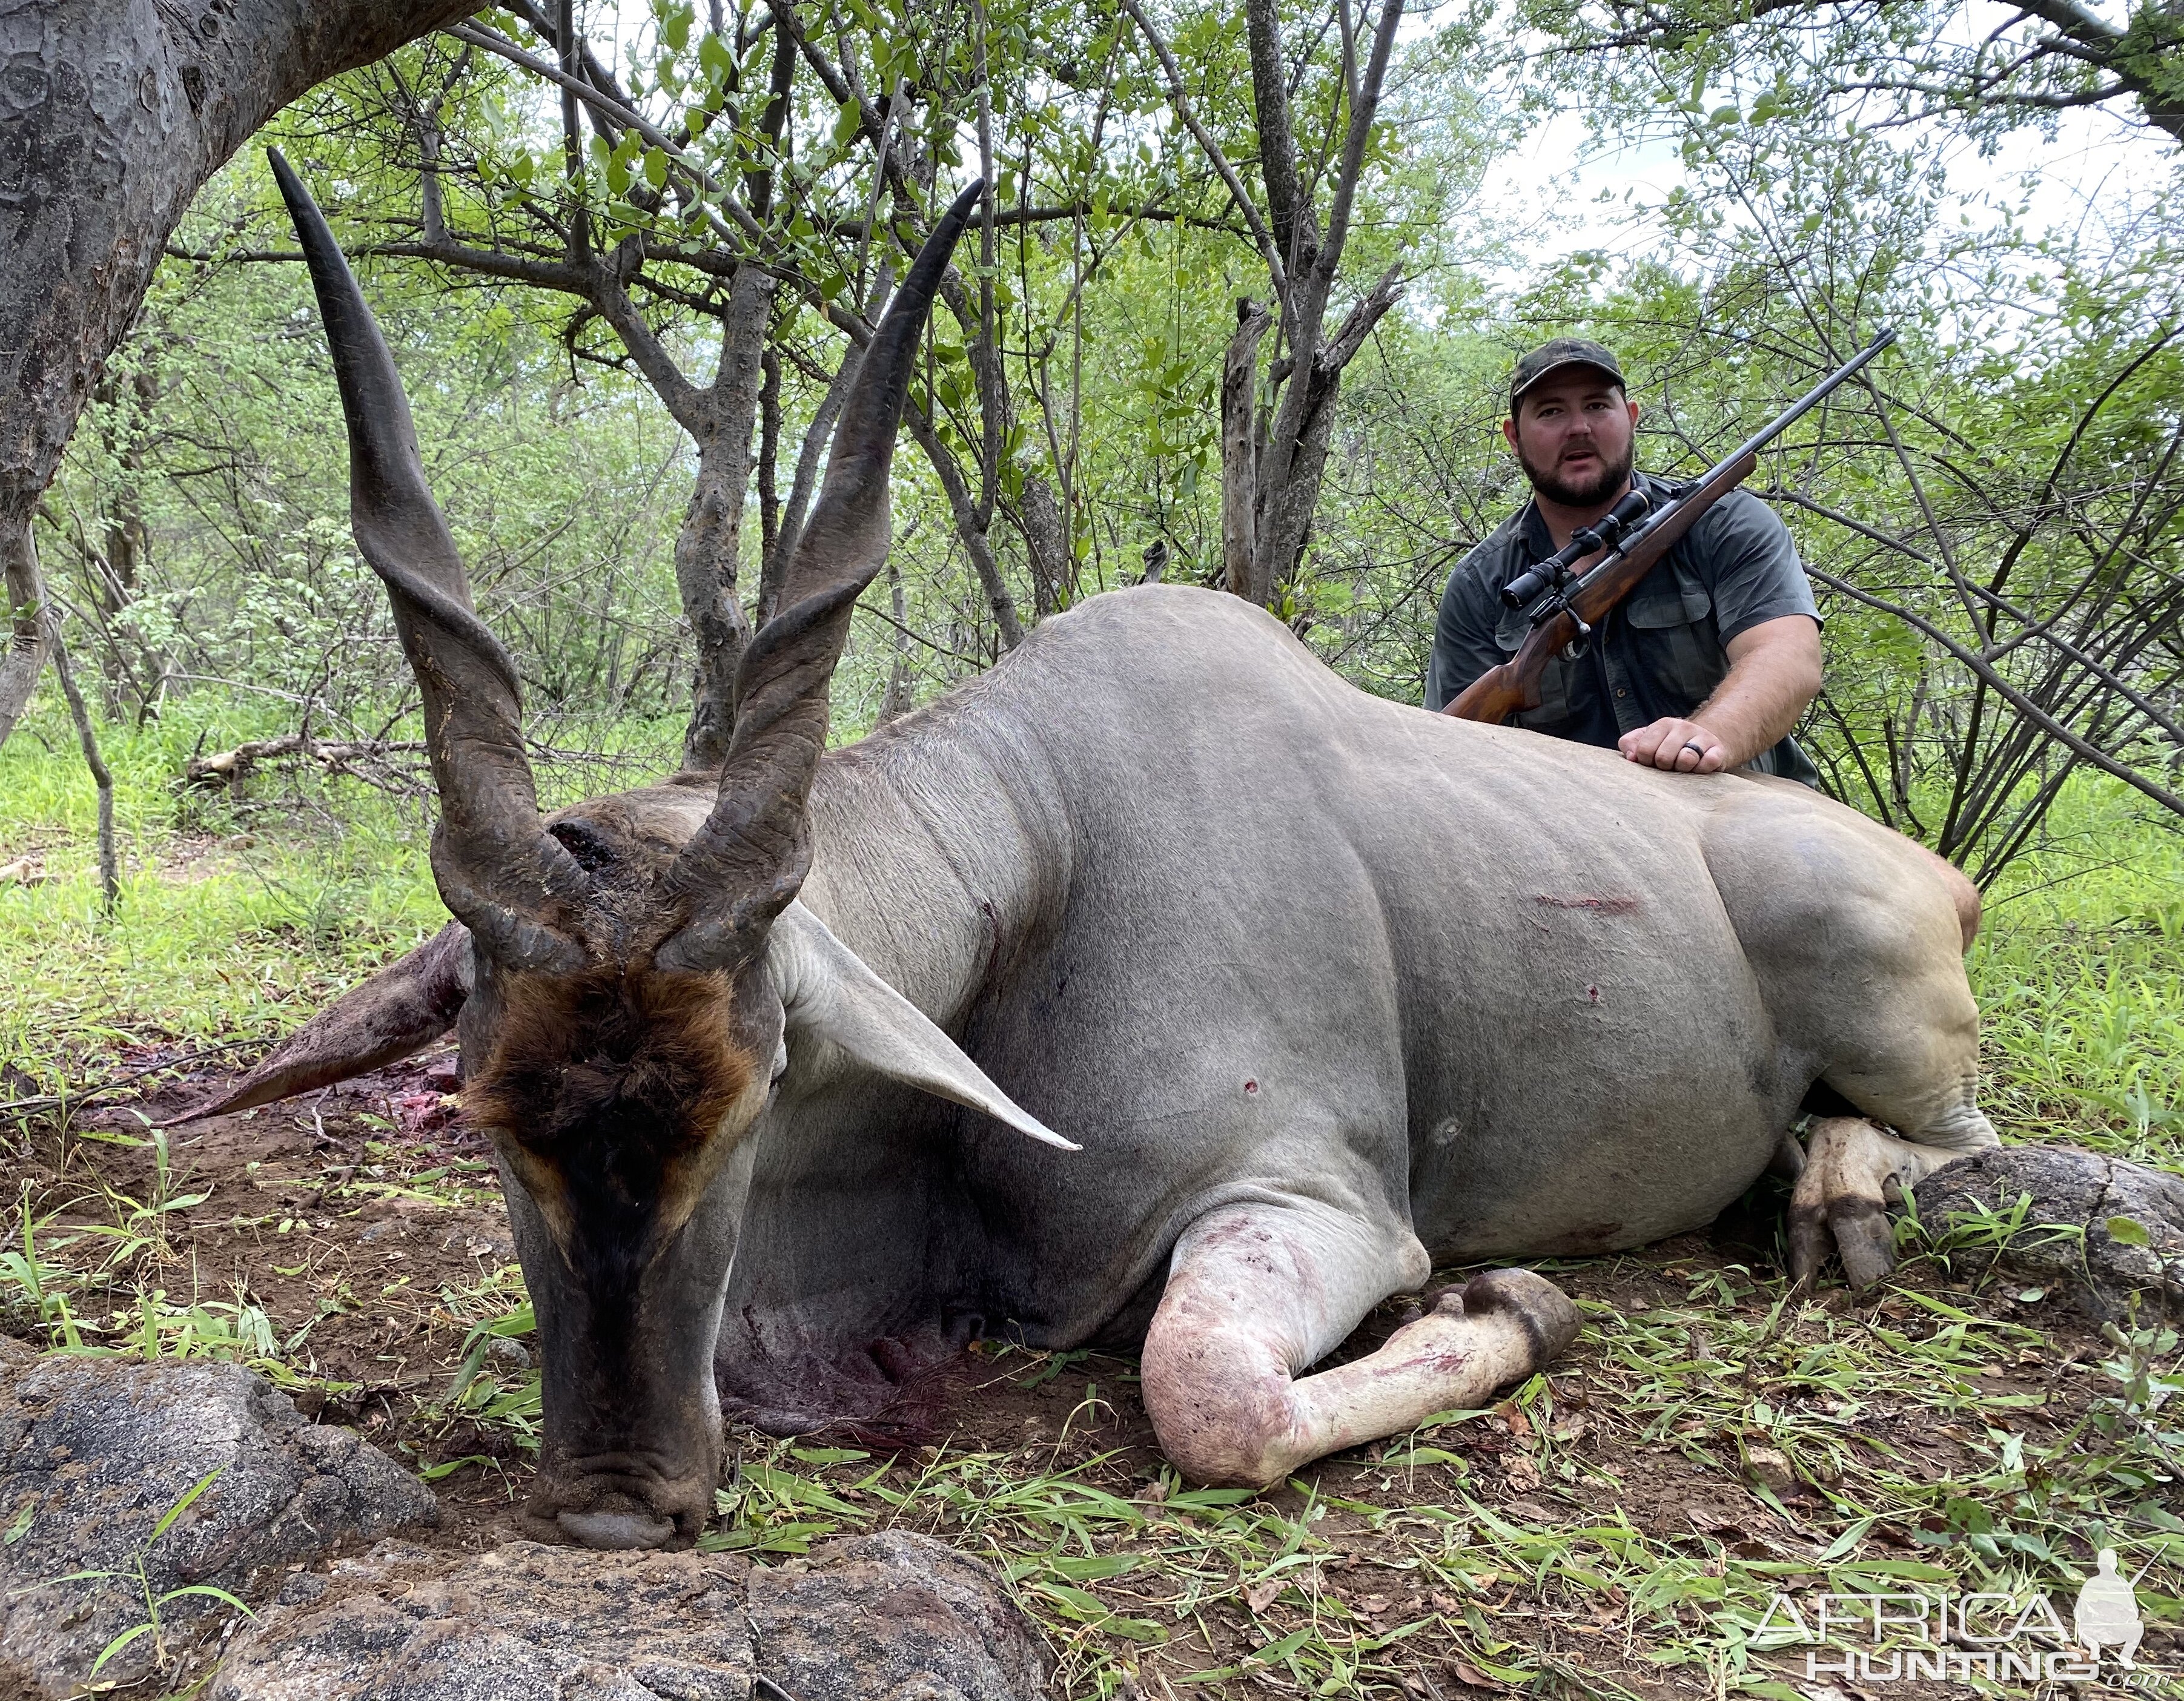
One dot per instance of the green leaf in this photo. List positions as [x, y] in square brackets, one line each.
[1075, 1603]
[1198, 1498]
[1283, 1649]
[119, 1642]
[1091, 1567]
[433, 1473]
[781, 1538]
[2128, 1232]
[675, 29]
[183, 1505]
[655, 168]
[1917, 1569]
[715, 58]
[210, 1593]
[21, 1527]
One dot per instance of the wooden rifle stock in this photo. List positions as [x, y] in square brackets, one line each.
[1501, 692]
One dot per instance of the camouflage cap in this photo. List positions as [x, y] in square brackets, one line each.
[1552, 357]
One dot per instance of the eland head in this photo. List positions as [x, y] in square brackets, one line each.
[637, 992]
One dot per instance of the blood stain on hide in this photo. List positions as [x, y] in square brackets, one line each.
[1592, 995]
[1618, 905]
[1251, 1088]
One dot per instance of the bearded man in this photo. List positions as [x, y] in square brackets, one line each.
[1707, 664]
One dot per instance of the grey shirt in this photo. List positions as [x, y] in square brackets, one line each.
[1661, 652]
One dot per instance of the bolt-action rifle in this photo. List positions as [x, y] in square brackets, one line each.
[1633, 535]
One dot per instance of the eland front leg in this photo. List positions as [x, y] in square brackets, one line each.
[1257, 1293]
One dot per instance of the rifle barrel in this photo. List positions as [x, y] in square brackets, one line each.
[1812, 398]
[1749, 448]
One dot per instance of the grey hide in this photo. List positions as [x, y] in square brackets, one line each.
[1248, 934]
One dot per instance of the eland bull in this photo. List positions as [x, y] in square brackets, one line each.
[1326, 989]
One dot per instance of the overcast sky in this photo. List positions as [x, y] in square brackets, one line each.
[2095, 167]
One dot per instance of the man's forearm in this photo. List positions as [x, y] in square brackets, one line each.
[1774, 672]
[1760, 701]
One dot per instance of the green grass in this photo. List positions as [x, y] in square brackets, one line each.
[235, 921]
[239, 916]
[1298, 1595]
[2079, 975]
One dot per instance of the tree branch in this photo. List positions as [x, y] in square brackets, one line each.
[1211, 149]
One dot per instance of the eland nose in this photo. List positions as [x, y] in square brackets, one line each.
[611, 1531]
[621, 1500]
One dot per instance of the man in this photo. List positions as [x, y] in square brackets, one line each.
[1707, 664]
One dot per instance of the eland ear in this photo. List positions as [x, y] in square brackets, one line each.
[829, 992]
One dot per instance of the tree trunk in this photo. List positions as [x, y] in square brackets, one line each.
[26, 617]
[127, 545]
[708, 551]
[1239, 450]
[897, 700]
[109, 878]
[1285, 509]
[970, 527]
[112, 114]
[1303, 261]
[1046, 541]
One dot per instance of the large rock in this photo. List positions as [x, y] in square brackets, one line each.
[875, 1618]
[94, 1452]
[897, 1616]
[2075, 1190]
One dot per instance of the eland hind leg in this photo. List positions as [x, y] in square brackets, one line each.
[1857, 936]
[1915, 1068]
[1258, 1292]
[1854, 1170]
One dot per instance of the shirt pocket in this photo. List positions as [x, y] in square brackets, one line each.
[1555, 710]
[1672, 627]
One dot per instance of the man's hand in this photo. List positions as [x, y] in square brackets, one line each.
[1774, 672]
[1684, 747]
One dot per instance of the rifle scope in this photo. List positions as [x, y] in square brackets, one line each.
[1603, 534]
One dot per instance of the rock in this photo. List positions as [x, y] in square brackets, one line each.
[897, 1616]
[877, 1618]
[525, 1620]
[2074, 1190]
[94, 1452]
[506, 1354]
[1770, 1468]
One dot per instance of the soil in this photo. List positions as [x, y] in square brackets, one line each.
[359, 1217]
